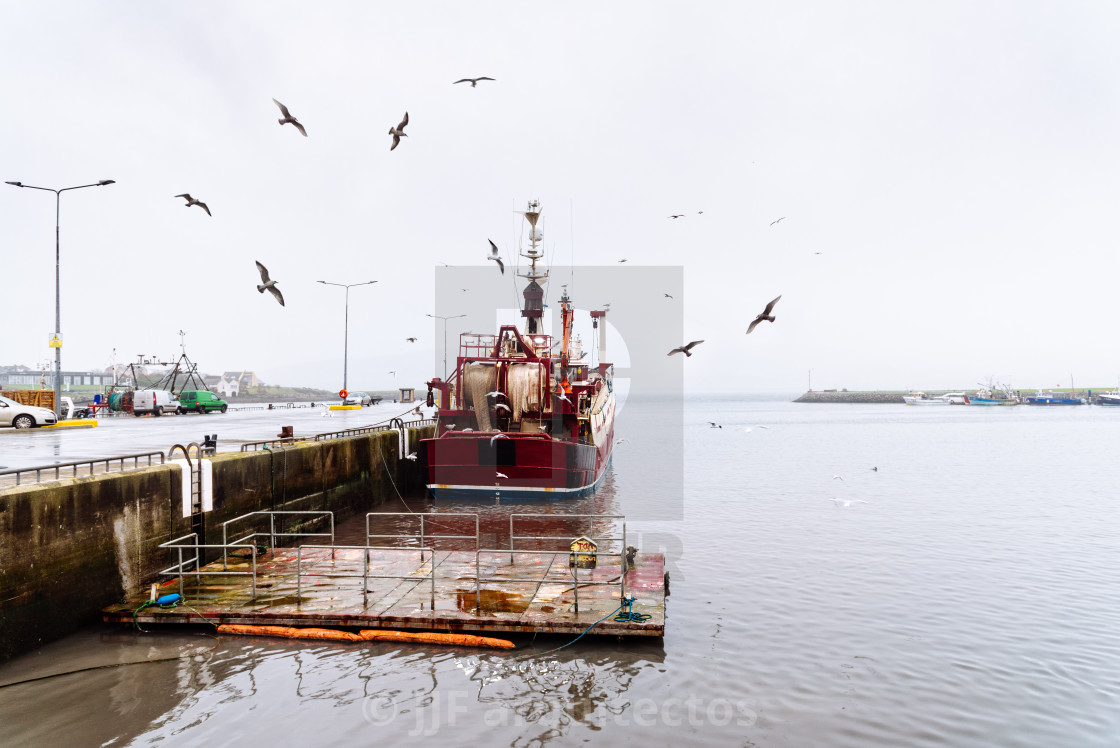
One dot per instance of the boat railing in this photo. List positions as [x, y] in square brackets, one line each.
[334, 572]
[573, 574]
[427, 522]
[272, 534]
[588, 533]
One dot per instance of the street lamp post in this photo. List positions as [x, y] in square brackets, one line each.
[57, 294]
[346, 326]
[436, 316]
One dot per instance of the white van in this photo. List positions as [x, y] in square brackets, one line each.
[156, 402]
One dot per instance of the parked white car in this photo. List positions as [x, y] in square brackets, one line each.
[24, 416]
[156, 402]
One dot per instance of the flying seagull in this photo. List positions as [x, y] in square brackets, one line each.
[778, 221]
[623, 259]
[266, 282]
[288, 119]
[501, 406]
[411, 456]
[393, 373]
[191, 201]
[764, 316]
[685, 349]
[494, 256]
[472, 81]
[495, 393]
[398, 132]
[496, 437]
[715, 425]
[677, 215]
[501, 475]
[411, 340]
[848, 502]
[837, 477]
[667, 296]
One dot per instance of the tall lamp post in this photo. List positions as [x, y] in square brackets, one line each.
[436, 316]
[57, 342]
[346, 327]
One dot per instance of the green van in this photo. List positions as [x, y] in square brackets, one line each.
[201, 401]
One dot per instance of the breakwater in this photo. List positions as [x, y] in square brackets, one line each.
[70, 547]
[895, 396]
[834, 396]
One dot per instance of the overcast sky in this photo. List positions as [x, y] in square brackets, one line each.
[954, 164]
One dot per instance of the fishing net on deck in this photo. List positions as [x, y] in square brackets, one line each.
[478, 380]
[523, 385]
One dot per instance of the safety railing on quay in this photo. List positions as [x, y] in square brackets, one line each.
[346, 433]
[184, 566]
[57, 467]
[272, 534]
[619, 581]
[430, 519]
[288, 441]
[365, 575]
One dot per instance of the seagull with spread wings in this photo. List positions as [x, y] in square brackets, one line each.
[764, 316]
[685, 349]
[269, 284]
[473, 81]
[288, 119]
[494, 256]
[191, 201]
[398, 132]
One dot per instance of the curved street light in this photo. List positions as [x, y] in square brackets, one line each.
[57, 295]
[346, 327]
[436, 316]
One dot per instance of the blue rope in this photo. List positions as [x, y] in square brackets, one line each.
[629, 615]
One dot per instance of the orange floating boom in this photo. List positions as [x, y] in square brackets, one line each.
[462, 640]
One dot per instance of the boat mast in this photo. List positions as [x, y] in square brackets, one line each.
[533, 311]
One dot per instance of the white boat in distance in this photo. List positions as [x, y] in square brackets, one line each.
[921, 398]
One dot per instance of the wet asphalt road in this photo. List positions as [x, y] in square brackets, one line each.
[127, 434]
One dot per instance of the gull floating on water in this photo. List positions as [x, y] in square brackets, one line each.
[685, 349]
[764, 316]
[473, 81]
[191, 201]
[288, 119]
[398, 132]
[267, 283]
[494, 256]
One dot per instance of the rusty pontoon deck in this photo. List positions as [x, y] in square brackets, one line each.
[412, 588]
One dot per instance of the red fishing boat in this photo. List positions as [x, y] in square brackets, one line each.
[516, 419]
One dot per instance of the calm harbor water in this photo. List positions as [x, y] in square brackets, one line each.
[965, 593]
